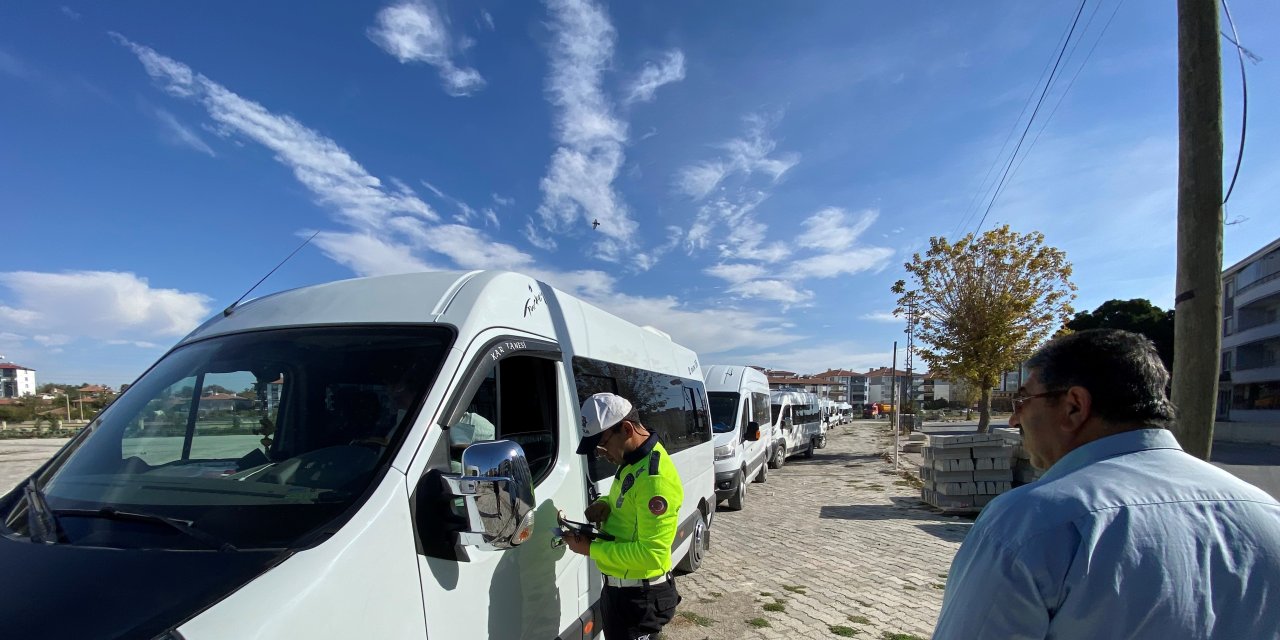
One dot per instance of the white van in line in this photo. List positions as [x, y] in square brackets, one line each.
[285, 471]
[797, 423]
[739, 398]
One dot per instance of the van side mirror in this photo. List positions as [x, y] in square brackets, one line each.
[496, 488]
[753, 431]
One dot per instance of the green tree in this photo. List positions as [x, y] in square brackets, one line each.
[1137, 315]
[983, 304]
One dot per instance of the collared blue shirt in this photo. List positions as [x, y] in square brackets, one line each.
[1124, 537]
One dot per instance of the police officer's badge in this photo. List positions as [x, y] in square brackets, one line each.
[657, 505]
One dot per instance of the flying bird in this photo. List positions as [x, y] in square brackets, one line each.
[595, 223]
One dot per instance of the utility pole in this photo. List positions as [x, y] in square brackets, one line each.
[1197, 340]
[911, 326]
[893, 399]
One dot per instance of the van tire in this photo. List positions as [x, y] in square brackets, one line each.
[762, 474]
[697, 546]
[808, 453]
[778, 458]
[735, 501]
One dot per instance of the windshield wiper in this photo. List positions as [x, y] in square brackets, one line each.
[112, 513]
[41, 521]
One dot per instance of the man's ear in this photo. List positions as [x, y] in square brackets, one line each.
[1079, 405]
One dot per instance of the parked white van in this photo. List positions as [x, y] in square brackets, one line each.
[797, 422]
[318, 499]
[739, 399]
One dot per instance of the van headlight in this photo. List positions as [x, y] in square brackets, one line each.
[724, 451]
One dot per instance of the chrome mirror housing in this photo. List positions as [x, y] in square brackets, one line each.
[497, 489]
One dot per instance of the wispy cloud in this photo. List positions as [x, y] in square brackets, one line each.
[669, 69]
[124, 306]
[69, 12]
[415, 31]
[831, 229]
[487, 19]
[881, 316]
[749, 154]
[11, 65]
[578, 187]
[181, 134]
[391, 229]
[325, 168]
[814, 359]
[368, 255]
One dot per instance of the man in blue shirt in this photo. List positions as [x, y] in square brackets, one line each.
[1125, 535]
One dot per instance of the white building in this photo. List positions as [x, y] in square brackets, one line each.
[16, 380]
[1249, 385]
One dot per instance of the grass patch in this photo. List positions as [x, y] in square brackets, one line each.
[889, 635]
[910, 479]
[942, 575]
[859, 619]
[701, 621]
[843, 631]
[861, 603]
[902, 483]
[775, 606]
[717, 594]
[875, 486]
[796, 588]
[936, 585]
[758, 623]
[766, 593]
[910, 588]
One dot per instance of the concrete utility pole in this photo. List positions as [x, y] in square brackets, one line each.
[1197, 339]
[893, 399]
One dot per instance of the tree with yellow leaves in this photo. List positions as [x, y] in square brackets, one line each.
[983, 304]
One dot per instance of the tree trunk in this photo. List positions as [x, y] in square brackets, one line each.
[984, 410]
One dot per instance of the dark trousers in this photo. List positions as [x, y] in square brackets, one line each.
[633, 613]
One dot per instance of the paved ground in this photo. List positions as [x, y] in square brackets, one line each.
[18, 458]
[839, 540]
[1257, 464]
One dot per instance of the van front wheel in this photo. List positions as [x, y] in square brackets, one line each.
[739, 494]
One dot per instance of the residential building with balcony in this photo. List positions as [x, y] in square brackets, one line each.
[852, 385]
[881, 385]
[1249, 383]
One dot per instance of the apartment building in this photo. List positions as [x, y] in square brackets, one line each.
[1249, 382]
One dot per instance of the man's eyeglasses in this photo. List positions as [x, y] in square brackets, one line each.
[1020, 400]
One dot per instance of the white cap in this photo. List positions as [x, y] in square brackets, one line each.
[600, 412]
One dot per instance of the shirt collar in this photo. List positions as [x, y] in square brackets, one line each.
[1110, 447]
[641, 452]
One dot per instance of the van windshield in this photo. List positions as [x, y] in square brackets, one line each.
[252, 439]
[724, 409]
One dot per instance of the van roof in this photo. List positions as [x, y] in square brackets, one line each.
[732, 377]
[471, 302]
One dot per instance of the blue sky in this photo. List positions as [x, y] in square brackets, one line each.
[760, 170]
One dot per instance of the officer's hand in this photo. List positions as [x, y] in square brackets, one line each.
[598, 511]
[580, 545]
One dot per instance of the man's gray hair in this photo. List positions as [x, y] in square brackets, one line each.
[1121, 369]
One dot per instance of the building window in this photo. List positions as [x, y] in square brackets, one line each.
[1259, 396]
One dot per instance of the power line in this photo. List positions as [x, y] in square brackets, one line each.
[983, 190]
[1244, 102]
[1039, 103]
[1067, 90]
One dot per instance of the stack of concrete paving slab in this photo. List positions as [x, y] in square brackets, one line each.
[963, 473]
[1023, 472]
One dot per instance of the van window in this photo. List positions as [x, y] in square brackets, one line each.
[256, 438]
[760, 409]
[673, 407]
[723, 407]
[516, 401]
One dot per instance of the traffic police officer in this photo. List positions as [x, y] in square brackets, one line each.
[641, 512]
